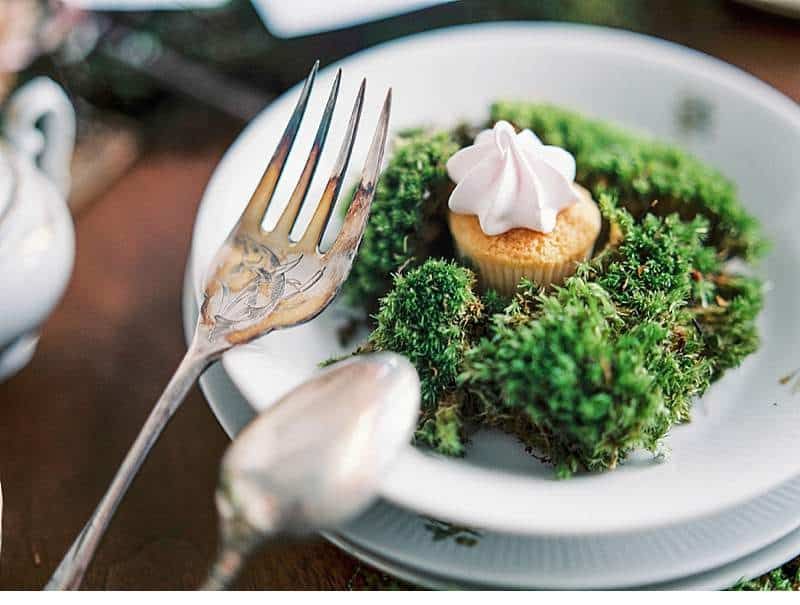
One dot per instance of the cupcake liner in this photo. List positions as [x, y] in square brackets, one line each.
[505, 278]
[501, 261]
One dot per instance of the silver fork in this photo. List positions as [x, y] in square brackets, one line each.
[259, 281]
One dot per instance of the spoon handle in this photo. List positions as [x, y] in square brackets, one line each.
[69, 573]
[225, 570]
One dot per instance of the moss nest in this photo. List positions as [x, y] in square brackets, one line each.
[589, 371]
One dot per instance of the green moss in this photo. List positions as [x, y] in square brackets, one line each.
[662, 270]
[428, 316]
[646, 175]
[583, 384]
[403, 221]
[657, 273]
[729, 327]
[650, 273]
[587, 372]
[442, 428]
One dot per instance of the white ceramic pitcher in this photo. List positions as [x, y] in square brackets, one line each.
[37, 240]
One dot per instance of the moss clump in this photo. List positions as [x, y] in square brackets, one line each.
[729, 325]
[403, 221]
[580, 377]
[657, 274]
[649, 176]
[441, 427]
[428, 316]
[663, 270]
[650, 272]
[583, 373]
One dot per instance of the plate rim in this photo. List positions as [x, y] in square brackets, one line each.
[748, 566]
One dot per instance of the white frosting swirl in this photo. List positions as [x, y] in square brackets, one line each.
[511, 180]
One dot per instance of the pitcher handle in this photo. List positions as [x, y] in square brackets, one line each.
[40, 124]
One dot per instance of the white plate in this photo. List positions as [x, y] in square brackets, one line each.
[743, 441]
[407, 544]
[720, 578]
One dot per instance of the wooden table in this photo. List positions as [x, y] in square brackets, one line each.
[67, 419]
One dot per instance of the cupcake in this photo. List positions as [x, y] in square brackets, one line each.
[516, 212]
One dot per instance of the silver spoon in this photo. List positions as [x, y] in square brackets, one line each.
[315, 458]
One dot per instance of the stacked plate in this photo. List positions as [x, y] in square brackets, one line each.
[726, 503]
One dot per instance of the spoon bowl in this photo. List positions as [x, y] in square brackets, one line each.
[316, 457]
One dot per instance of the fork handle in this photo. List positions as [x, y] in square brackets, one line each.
[69, 573]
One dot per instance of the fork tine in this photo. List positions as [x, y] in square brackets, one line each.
[289, 214]
[322, 214]
[358, 213]
[259, 202]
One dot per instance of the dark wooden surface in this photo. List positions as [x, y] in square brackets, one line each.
[67, 419]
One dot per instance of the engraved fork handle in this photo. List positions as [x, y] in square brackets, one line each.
[69, 573]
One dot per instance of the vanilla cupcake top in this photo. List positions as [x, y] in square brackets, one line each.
[512, 180]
